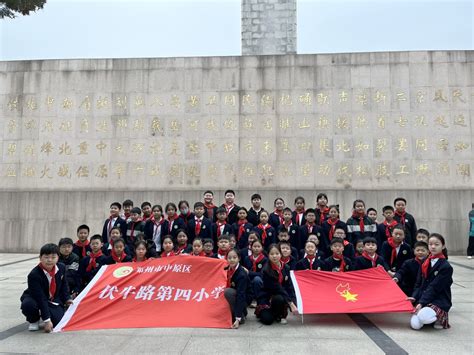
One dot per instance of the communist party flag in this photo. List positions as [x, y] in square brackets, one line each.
[364, 291]
[179, 291]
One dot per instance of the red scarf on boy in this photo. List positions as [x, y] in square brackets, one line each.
[309, 227]
[264, 231]
[388, 227]
[322, 214]
[373, 261]
[52, 284]
[93, 260]
[210, 210]
[241, 224]
[223, 253]
[394, 247]
[311, 260]
[361, 220]
[402, 216]
[83, 245]
[219, 226]
[118, 259]
[278, 268]
[426, 265]
[342, 265]
[255, 261]
[332, 224]
[298, 218]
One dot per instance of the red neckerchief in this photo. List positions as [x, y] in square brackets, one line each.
[394, 247]
[144, 218]
[342, 265]
[135, 259]
[309, 227]
[210, 210]
[223, 253]
[132, 233]
[360, 217]
[202, 253]
[52, 284]
[82, 245]
[280, 216]
[427, 263]
[388, 227]
[219, 225]
[419, 261]
[345, 242]
[297, 217]
[230, 273]
[164, 254]
[210, 253]
[332, 224]
[278, 268]
[322, 214]
[229, 208]
[241, 224]
[287, 226]
[197, 227]
[285, 260]
[357, 254]
[311, 260]
[180, 250]
[256, 261]
[264, 231]
[93, 260]
[171, 221]
[126, 215]
[373, 261]
[118, 259]
[186, 216]
[402, 217]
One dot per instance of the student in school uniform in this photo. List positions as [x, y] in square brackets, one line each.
[422, 235]
[182, 246]
[432, 294]
[210, 208]
[174, 221]
[223, 246]
[208, 247]
[247, 250]
[81, 247]
[199, 226]
[167, 247]
[369, 257]
[242, 228]
[349, 251]
[406, 276]
[140, 251]
[286, 257]
[320, 254]
[156, 227]
[237, 291]
[276, 217]
[337, 262]
[198, 248]
[310, 261]
[115, 234]
[298, 214]
[372, 214]
[134, 227]
[395, 251]
[322, 209]
[146, 211]
[310, 227]
[292, 228]
[277, 293]
[221, 226]
[253, 215]
[184, 212]
[118, 254]
[113, 221]
[265, 231]
[127, 207]
[359, 226]
[405, 219]
[93, 261]
[254, 264]
[384, 229]
[48, 293]
[284, 236]
[231, 208]
[71, 261]
[329, 226]
[359, 248]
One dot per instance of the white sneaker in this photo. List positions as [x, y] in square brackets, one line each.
[41, 323]
[283, 321]
[33, 327]
[469, 257]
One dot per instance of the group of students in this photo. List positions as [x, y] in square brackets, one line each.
[260, 247]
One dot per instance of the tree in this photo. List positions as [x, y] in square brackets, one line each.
[11, 8]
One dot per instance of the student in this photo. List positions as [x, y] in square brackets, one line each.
[210, 208]
[140, 251]
[223, 246]
[432, 294]
[470, 246]
[277, 293]
[127, 207]
[337, 262]
[298, 214]
[405, 219]
[254, 211]
[329, 226]
[92, 262]
[407, 274]
[265, 231]
[359, 248]
[349, 251]
[115, 234]
[198, 249]
[310, 261]
[134, 227]
[47, 293]
[247, 251]
[151, 252]
[242, 228]
[156, 227]
[288, 225]
[118, 254]
[237, 288]
[71, 261]
[372, 214]
[286, 257]
[422, 235]
[310, 227]
[359, 225]
[232, 241]
[221, 226]
[113, 221]
[185, 214]
[231, 208]
[208, 247]
[199, 226]
[81, 247]
[284, 236]
[146, 210]
[276, 217]
[322, 209]
[369, 258]
[384, 229]
[254, 264]
[182, 246]
[394, 250]
[320, 255]
[174, 221]
[167, 247]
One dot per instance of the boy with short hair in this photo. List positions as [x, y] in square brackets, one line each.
[113, 221]
[242, 228]
[422, 235]
[405, 219]
[292, 228]
[372, 214]
[134, 227]
[127, 208]
[210, 207]
[337, 262]
[231, 208]
[407, 274]
[221, 227]
[48, 292]
[395, 251]
[284, 236]
[92, 262]
[349, 251]
[369, 258]
[384, 229]
[310, 227]
[146, 210]
[199, 226]
[223, 246]
[208, 247]
[71, 261]
[81, 247]
[253, 215]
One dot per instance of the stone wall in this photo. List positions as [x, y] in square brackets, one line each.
[78, 134]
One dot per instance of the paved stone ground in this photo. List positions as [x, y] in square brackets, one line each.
[349, 334]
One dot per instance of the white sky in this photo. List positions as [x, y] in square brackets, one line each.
[164, 28]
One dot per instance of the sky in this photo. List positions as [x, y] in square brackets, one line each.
[164, 28]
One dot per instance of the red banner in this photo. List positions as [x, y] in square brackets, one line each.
[180, 291]
[364, 291]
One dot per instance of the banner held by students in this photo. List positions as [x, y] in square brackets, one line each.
[180, 291]
[365, 291]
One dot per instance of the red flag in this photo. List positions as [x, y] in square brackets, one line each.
[365, 291]
[179, 291]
